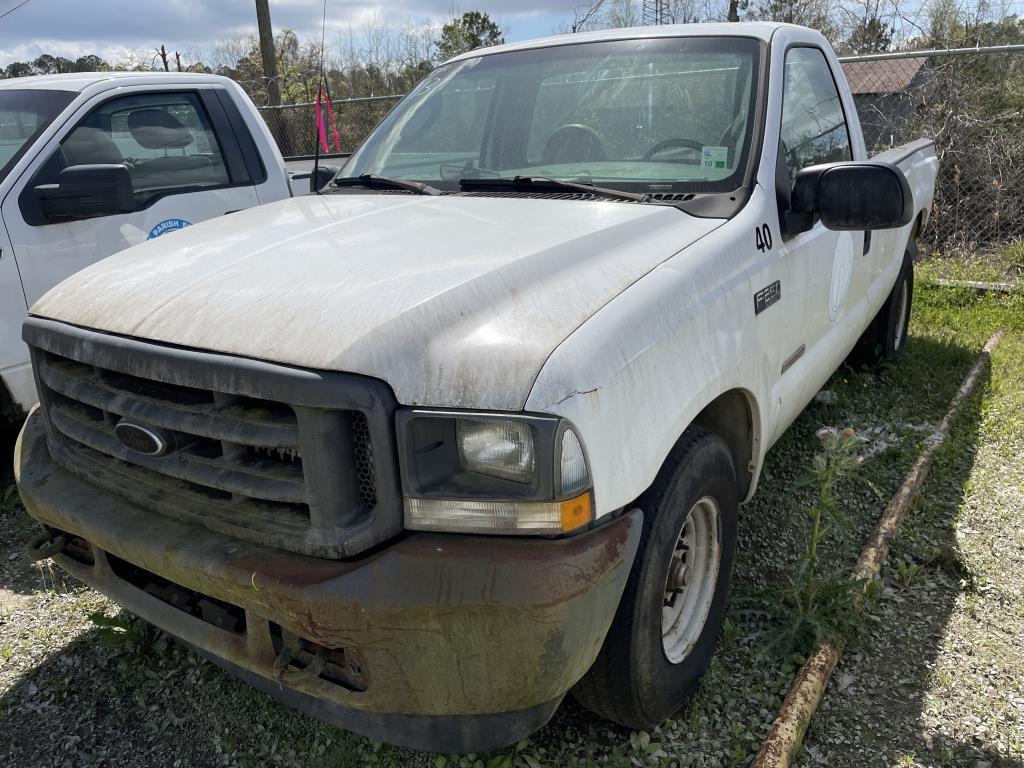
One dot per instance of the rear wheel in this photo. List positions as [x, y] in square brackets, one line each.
[667, 623]
[886, 337]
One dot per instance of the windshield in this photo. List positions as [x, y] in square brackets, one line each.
[666, 114]
[24, 114]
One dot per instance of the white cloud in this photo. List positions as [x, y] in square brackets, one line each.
[115, 28]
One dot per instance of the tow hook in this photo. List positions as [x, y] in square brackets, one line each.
[292, 676]
[46, 545]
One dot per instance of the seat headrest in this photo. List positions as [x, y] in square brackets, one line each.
[158, 129]
[88, 145]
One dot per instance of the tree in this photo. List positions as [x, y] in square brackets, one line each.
[90, 63]
[869, 36]
[816, 14]
[472, 30]
[47, 64]
[18, 69]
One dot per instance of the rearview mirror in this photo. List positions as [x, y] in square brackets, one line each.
[851, 196]
[86, 191]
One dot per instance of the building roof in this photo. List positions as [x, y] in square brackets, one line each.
[882, 75]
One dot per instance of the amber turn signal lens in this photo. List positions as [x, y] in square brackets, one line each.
[577, 512]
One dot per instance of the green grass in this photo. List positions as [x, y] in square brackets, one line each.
[993, 266]
[894, 408]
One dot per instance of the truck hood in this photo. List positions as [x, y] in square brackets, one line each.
[454, 301]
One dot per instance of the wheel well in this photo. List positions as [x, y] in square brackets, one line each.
[918, 227]
[731, 417]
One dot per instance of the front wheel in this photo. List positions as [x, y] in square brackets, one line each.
[667, 623]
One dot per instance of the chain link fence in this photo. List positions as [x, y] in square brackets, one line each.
[971, 102]
[294, 125]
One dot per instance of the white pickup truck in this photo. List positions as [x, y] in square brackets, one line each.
[470, 429]
[95, 162]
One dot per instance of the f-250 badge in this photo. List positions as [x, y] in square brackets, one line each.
[767, 296]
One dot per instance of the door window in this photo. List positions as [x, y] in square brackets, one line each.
[24, 114]
[164, 139]
[813, 125]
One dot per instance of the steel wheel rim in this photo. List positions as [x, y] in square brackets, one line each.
[691, 580]
[901, 319]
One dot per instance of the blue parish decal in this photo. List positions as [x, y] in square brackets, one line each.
[167, 225]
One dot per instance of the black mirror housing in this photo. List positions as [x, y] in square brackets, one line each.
[87, 191]
[852, 196]
[323, 175]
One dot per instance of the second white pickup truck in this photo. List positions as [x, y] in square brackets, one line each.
[471, 429]
[95, 162]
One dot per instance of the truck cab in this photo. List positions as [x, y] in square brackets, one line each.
[473, 427]
[93, 163]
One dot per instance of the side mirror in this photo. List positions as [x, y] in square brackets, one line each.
[851, 196]
[86, 191]
[324, 173]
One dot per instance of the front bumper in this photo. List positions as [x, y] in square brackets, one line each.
[461, 643]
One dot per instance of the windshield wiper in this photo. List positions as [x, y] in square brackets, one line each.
[547, 181]
[372, 181]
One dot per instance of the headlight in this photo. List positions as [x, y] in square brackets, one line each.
[497, 447]
[492, 473]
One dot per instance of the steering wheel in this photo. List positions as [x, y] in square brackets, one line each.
[573, 143]
[661, 146]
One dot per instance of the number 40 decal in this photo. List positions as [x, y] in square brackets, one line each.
[763, 237]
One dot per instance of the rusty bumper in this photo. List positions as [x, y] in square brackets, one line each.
[445, 642]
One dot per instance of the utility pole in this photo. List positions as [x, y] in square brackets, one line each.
[267, 52]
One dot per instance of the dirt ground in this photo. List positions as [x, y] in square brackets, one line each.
[935, 680]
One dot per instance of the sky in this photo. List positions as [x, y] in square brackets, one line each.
[115, 29]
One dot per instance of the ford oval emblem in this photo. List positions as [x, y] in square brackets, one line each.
[144, 440]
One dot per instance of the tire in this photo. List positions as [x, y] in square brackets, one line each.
[11, 414]
[885, 338]
[633, 682]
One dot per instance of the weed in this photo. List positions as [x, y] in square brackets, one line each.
[10, 501]
[1015, 256]
[730, 634]
[943, 678]
[905, 572]
[129, 634]
[813, 606]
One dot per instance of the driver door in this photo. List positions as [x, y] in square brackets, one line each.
[828, 265]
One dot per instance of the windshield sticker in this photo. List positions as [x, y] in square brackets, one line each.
[713, 157]
[168, 225]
